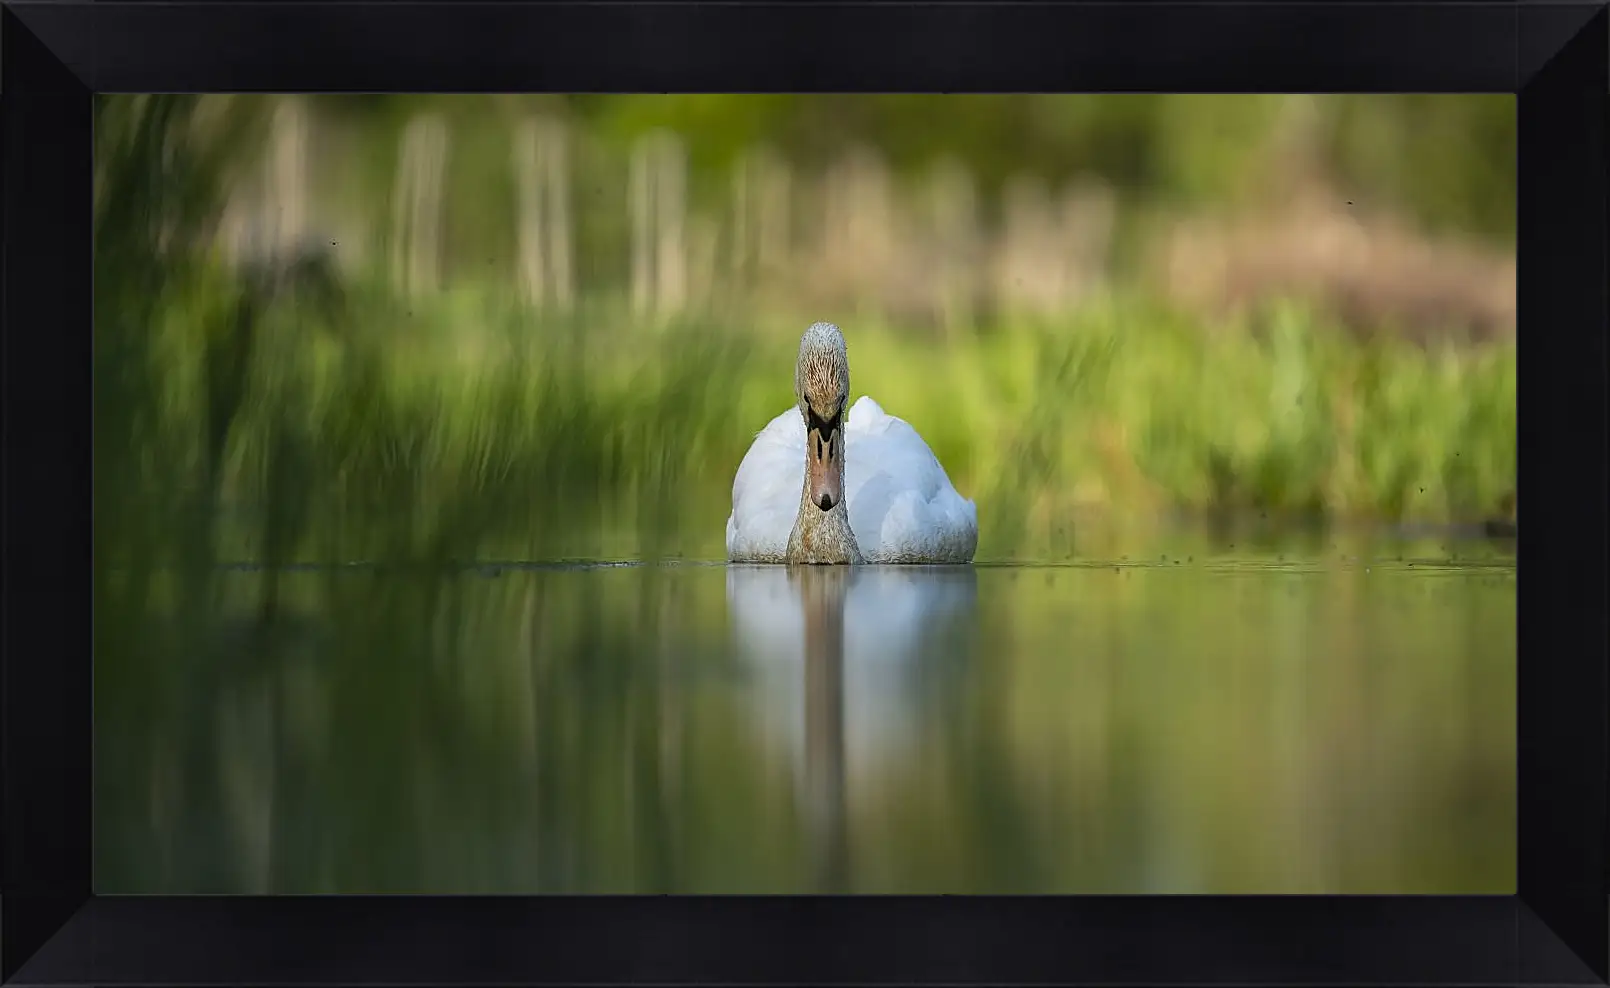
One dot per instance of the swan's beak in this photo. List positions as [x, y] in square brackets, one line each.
[822, 468]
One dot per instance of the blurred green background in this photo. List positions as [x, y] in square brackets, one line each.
[376, 337]
[526, 326]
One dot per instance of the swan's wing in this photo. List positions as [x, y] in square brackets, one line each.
[766, 490]
[903, 508]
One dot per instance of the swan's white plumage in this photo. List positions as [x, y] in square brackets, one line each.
[902, 506]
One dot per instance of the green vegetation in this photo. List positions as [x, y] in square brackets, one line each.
[1446, 160]
[324, 421]
[1315, 729]
[413, 727]
[532, 436]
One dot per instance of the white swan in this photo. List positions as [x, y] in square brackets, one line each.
[822, 486]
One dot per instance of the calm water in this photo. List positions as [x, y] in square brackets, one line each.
[1323, 717]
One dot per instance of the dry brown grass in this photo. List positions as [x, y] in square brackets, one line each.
[1371, 270]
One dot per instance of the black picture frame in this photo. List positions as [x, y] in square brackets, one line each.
[54, 55]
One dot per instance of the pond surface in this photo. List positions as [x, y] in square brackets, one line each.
[1324, 716]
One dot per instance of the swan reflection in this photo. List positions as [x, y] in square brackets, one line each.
[850, 661]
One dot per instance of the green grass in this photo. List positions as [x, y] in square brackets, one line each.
[463, 426]
[340, 421]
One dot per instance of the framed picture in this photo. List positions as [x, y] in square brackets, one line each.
[681, 493]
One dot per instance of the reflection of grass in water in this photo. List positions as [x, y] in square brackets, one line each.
[594, 730]
[416, 731]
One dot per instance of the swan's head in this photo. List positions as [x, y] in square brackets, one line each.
[822, 385]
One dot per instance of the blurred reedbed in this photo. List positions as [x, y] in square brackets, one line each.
[921, 247]
[350, 377]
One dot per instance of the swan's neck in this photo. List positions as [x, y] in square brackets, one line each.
[822, 536]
